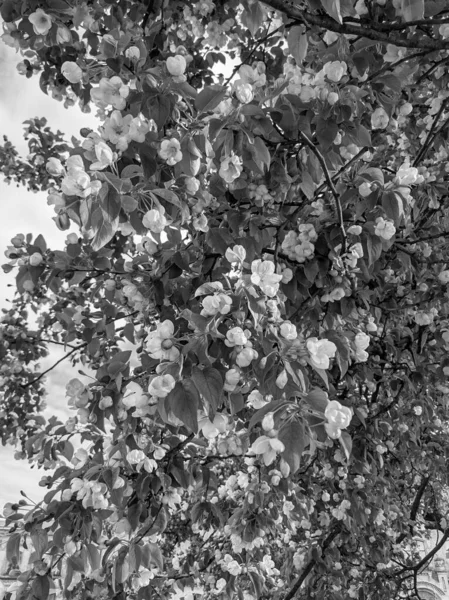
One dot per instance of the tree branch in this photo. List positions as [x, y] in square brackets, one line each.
[292, 10]
[54, 365]
[330, 184]
[415, 507]
[311, 564]
[430, 136]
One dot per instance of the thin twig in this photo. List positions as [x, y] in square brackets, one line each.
[72, 351]
[331, 186]
[430, 136]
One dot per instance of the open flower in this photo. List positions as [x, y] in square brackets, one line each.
[211, 429]
[384, 229]
[212, 305]
[161, 386]
[379, 119]
[230, 168]
[268, 447]
[160, 344]
[263, 275]
[105, 156]
[40, 21]
[321, 351]
[134, 396]
[155, 220]
[335, 70]
[236, 337]
[170, 151]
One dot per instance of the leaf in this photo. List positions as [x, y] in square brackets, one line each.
[261, 154]
[393, 206]
[183, 402]
[209, 288]
[39, 538]
[326, 130]
[412, 10]
[209, 383]
[13, 547]
[298, 43]
[253, 16]
[346, 443]
[332, 8]
[293, 436]
[210, 98]
[169, 196]
[317, 399]
[110, 204]
[40, 587]
[156, 557]
[104, 229]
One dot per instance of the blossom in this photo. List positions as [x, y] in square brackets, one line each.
[444, 277]
[35, 259]
[211, 429]
[361, 341]
[321, 351]
[161, 385]
[355, 230]
[105, 157]
[134, 396]
[54, 167]
[110, 92]
[338, 418]
[335, 70]
[176, 65]
[236, 337]
[443, 30]
[232, 378]
[246, 356]
[256, 400]
[379, 119]
[365, 189]
[408, 175]
[77, 184]
[116, 129]
[159, 343]
[268, 447]
[230, 168]
[288, 331]
[212, 305]
[71, 71]
[41, 22]
[155, 220]
[384, 229]
[263, 275]
[236, 255]
[170, 151]
[244, 92]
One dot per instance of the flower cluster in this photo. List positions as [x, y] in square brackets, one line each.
[300, 246]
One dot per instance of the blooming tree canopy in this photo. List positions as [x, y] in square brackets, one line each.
[257, 287]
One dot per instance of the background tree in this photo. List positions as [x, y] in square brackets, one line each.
[258, 287]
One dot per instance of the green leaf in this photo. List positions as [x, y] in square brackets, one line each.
[104, 229]
[326, 130]
[298, 43]
[209, 383]
[39, 538]
[156, 557]
[260, 154]
[13, 547]
[183, 402]
[110, 204]
[346, 443]
[210, 98]
[332, 8]
[317, 399]
[293, 436]
[253, 16]
[412, 10]
[40, 587]
[393, 206]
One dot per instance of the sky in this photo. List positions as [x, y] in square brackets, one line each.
[25, 212]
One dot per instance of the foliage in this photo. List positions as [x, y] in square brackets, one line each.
[258, 287]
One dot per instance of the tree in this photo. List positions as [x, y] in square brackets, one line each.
[258, 287]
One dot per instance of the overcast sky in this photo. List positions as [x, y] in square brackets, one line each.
[24, 212]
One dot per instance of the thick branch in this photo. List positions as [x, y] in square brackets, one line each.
[291, 10]
[415, 506]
